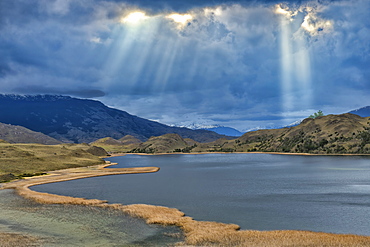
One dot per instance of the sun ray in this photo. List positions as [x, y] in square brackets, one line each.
[286, 64]
[166, 64]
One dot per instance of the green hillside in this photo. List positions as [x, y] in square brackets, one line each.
[162, 144]
[18, 160]
[123, 145]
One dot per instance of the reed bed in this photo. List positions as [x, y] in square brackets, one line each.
[204, 233]
[197, 233]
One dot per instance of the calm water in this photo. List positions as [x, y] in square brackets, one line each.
[255, 191]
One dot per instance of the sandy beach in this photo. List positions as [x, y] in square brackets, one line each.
[197, 233]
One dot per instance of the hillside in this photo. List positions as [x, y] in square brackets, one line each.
[75, 120]
[162, 144]
[22, 160]
[123, 145]
[332, 134]
[19, 134]
[346, 133]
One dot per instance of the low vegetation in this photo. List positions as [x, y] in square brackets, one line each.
[123, 145]
[18, 134]
[19, 240]
[161, 144]
[25, 160]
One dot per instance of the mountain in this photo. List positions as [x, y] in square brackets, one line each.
[19, 134]
[219, 129]
[228, 131]
[362, 112]
[70, 119]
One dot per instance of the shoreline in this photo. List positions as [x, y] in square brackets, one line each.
[277, 153]
[196, 232]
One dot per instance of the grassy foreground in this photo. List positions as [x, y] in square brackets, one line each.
[24, 160]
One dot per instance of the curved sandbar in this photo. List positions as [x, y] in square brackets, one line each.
[22, 186]
[198, 233]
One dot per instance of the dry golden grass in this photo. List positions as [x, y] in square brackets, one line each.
[203, 233]
[19, 240]
[155, 214]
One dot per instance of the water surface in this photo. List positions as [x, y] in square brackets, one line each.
[255, 191]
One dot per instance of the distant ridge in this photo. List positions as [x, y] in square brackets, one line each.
[76, 120]
[219, 129]
[362, 112]
[228, 131]
[18, 134]
[332, 134]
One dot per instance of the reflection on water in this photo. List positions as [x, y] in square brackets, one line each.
[255, 191]
[71, 225]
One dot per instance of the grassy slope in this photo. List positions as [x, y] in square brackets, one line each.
[19, 134]
[20, 159]
[162, 144]
[123, 145]
[346, 133]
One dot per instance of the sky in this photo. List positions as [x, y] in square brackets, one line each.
[242, 64]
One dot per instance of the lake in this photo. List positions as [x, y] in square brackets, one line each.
[255, 191]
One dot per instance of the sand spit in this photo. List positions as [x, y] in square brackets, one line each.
[197, 233]
[22, 186]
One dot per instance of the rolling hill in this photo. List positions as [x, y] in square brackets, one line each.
[123, 145]
[24, 160]
[19, 134]
[162, 144]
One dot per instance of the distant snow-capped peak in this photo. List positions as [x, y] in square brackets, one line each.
[196, 126]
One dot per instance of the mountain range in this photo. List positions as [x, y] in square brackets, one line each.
[68, 119]
[362, 112]
[331, 134]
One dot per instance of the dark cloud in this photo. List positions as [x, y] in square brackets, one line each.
[233, 62]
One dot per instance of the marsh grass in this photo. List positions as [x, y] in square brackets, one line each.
[19, 240]
[204, 233]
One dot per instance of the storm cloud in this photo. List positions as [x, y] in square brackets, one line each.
[242, 64]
